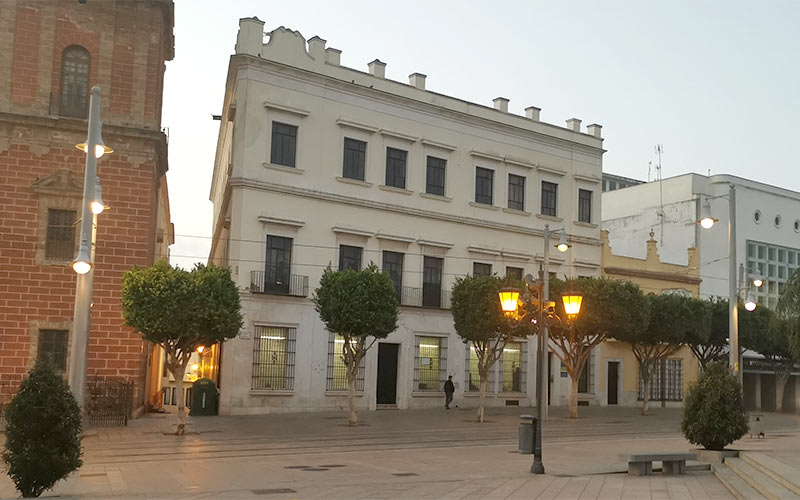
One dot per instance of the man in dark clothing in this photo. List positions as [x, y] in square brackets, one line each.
[449, 389]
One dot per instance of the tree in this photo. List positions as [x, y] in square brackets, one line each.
[358, 305]
[709, 343]
[180, 311]
[789, 311]
[43, 432]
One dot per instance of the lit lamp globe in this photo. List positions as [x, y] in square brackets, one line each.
[562, 245]
[100, 148]
[83, 262]
[749, 303]
[758, 282]
[572, 303]
[509, 297]
[706, 220]
[98, 205]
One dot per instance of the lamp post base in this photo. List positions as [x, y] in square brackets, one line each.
[537, 467]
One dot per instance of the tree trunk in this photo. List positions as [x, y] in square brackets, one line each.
[351, 395]
[646, 395]
[573, 398]
[177, 373]
[484, 387]
[780, 385]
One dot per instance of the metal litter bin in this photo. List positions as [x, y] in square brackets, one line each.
[204, 397]
[527, 433]
[756, 425]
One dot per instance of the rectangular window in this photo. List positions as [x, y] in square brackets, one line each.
[549, 198]
[60, 242]
[586, 376]
[337, 370]
[513, 366]
[667, 374]
[53, 348]
[393, 266]
[350, 257]
[514, 272]
[481, 269]
[584, 205]
[516, 192]
[484, 185]
[434, 180]
[284, 144]
[432, 281]
[355, 158]
[430, 364]
[473, 376]
[273, 358]
[396, 167]
[278, 264]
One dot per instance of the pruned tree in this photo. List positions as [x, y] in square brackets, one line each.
[772, 336]
[181, 310]
[361, 306]
[709, 343]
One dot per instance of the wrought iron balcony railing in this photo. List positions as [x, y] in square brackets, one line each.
[278, 283]
[427, 296]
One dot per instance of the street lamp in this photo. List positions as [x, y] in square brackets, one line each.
[572, 303]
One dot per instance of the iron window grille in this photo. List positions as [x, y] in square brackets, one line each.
[514, 272]
[74, 82]
[514, 367]
[393, 266]
[278, 265]
[350, 257]
[516, 192]
[434, 180]
[355, 157]
[549, 198]
[53, 348]
[432, 281]
[60, 241]
[666, 373]
[481, 269]
[284, 144]
[484, 185]
[396, 167]
[473, 376]
[337, 370]
[584, 205]
[273, 358]
[430, 364]
[586, 380]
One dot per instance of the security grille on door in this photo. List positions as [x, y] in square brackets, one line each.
[669, 371]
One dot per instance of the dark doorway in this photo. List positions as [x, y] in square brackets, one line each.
[387, 374]
[613, 381]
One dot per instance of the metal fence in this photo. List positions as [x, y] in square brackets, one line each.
[432, 297]
[109, 403]
[279, 284]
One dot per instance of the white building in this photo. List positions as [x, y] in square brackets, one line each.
[318, 164]
[767, 243]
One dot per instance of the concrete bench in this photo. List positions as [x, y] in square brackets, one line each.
[641, 464]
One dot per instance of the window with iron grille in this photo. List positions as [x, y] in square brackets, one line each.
[278, 264]
[516, 192]
[584, 205]
[430, 364]
[273, 358]
[434, 180]
[432, 281]
[549, 198]
[669, 374]
[481, 269]
[586, 380]
[514, 367]
[396, 167]
[514, 272]
[337, 370]
[484, 185]
[53, 348]
[284, 144]
[350, 257]
[60, 242]
[393, 266]
[355, 157]
[473, 376]
[74, 82]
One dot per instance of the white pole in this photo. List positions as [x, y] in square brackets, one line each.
[733, 296]
[544, 375]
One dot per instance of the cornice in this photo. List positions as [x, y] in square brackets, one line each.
[661, 275]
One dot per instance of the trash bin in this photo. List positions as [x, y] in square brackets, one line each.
[204, 397]
[756, 425]
[527, 432]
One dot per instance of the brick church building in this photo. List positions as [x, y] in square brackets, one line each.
[54, 52]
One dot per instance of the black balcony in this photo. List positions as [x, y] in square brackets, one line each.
[428, 296]
[278, 284]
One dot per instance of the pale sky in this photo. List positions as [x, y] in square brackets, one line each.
[717, 83]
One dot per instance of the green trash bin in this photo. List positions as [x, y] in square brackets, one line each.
[204, 397]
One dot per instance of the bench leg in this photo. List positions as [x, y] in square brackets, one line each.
[640, 468]
[673, 467]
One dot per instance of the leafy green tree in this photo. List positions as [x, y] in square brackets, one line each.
[610, 308]
[361, 306]
[709, 342]
[713, 413]
[789, 310]
[43, 432]
[180, 311]
[772, 336]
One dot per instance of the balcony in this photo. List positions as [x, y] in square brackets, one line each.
[276, 284]
[432, 297]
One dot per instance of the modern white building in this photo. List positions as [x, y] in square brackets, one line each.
[767, 229]
[318, 164]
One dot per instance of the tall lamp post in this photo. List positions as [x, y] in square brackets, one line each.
[543, 367]
[91, 206]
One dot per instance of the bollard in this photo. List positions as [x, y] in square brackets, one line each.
[527, 432]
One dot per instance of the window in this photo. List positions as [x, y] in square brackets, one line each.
[516, 192]
[549, 198]
[513, 366]
[60, 243]
[53, 348]
[337, 370]
[775, 264]
[350, 257]
[393, 266]
[585, 380]
[669, 370]
[273, 358]
[74, 82]
[430, 364]
[484, 185]
[278, 265]
[481, 269]
[584, 205]
[396, 167]
[473, 376]
[434, 180]
[432, 281]
[355, 157]
[514, 272]
[284, 144]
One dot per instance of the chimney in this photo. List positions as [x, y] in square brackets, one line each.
[316, 47]
[532, 113]
[501, 103]
[333, 56]
[594, 129]
[377, 68]
[250, 39]
[417, 80]
[574, 124]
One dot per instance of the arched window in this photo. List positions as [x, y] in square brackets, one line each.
[74, 82]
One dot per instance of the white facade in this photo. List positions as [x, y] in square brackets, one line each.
[317, 205]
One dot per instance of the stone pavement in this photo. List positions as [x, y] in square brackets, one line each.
[395, 454]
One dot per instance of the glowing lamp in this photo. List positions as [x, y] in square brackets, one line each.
[562, 245]
[572, 303]
[200, 349]
[83, 262]
[508, 299]
[195, 366]
[758, 282]
[749, 303]
[706, 220]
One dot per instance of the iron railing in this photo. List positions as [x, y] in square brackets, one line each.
[287, 284]
[427, 296]
[108, 403]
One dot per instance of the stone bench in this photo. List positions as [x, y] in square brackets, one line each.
[641, 464]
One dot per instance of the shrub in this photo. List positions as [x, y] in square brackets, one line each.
[43, 432]
[713, 414]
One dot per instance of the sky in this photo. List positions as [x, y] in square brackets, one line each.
[715, 82]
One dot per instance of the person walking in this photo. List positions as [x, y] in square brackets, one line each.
[449, 389]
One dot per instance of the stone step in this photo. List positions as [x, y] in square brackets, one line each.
[763, 483]
[735, 484]
[785, 474]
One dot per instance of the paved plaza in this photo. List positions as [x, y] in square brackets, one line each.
[395, 454]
